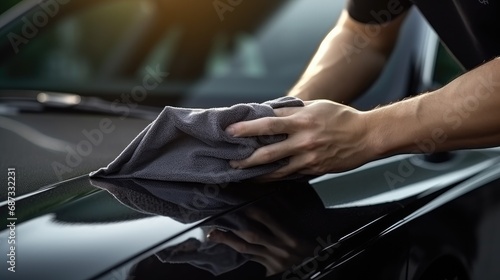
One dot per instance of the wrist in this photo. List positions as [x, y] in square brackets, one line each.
[374, 135]
[393, 129]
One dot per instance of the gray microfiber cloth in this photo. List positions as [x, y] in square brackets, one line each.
[191, 145]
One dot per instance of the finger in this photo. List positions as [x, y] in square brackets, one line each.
[239, 245]
[295, 165]
[287, 111]
[266, 154]
[259, 127]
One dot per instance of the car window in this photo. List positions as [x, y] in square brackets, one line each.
[205, 47]
[275, 46]
[77, 48]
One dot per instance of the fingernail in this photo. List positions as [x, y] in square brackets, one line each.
[234, 164]
[230, 130]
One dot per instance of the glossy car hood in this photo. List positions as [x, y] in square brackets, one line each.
[82, 229]
[85, 227]
[49, 147]
[111, 228]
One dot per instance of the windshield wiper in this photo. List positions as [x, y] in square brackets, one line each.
[32, 101]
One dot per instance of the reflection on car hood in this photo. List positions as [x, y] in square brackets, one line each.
[182, 201]
[83, 230]
[138, 227]
[86, 231]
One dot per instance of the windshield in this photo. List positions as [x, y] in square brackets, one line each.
[183, 50]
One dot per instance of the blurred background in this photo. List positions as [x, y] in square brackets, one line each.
[216, 52]
[255, 50]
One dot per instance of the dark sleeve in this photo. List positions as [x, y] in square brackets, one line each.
[376, 11]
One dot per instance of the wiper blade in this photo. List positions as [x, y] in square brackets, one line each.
[55, 101]
[59, 99]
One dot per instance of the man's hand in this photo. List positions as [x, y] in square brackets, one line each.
[323, 137]
[327, 137]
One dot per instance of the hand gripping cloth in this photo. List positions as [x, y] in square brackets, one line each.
[191, 145]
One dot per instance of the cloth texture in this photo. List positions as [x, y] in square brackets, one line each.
[191, 145]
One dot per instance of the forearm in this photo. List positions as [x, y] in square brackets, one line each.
[348, 61]
[463, 114]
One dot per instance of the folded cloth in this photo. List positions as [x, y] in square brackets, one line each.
[191, 145]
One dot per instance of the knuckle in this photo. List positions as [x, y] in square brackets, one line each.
[305, 121]
[275, 126]
[312, 160]
[316, 164]
[262, 128]
[309, 143]
[268, 155]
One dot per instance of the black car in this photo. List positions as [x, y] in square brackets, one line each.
[80, 79]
